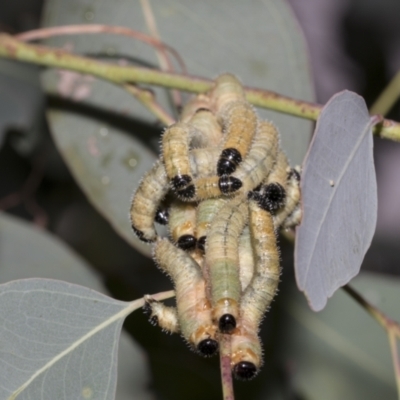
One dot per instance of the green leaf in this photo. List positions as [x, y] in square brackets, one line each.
[27, 252]
[342, 352]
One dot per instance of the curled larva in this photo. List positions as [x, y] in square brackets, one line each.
[258, 163]
[292, 198]
[182, 224]
[152, 189]
[222, 260]
[246, 346]
[154, 186]
[206, 211]
[193, 307]
[271, 195]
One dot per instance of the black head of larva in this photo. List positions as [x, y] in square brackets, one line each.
[147, 308]
[228, 161]
[140, 235]
[207, 347]
[178, 182]
[162, 216]
[244, 370]
[294, 174]
[229, 184]
[201, 243]
[227, 323]
[273, 198]
[187, 193]
[186, 242]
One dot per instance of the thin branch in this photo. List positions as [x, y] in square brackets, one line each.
[45, 33]
[225, 361]
[386, 100]
[162, 56]
[395, 357]
[14, 49]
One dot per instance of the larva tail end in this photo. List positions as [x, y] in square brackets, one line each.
[142, 237]
[229, 184]
[186, 242]
[208, 347]
[244, 371]
[227, 323]
[178, 182]
[187, 193]
[162, 216]
[228, 161]
[274, 197]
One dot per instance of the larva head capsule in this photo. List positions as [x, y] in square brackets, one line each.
[228, 161]
[162, 216]
[207, 347]
[227, 323]
[186, 242]
[244, 371]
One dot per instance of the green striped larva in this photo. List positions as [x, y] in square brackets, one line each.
[258, 163]
[182, 224]
[256, 298]
[222, 260]
[193, 308]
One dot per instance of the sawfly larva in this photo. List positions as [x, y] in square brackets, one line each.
[193, 307]
[182, 224]
[154, 186]
[258, 163]
[222, 260]
[257, 297]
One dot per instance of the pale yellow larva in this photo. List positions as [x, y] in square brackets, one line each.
[182, 224]
[154, 186]
[258, 163]
[226, 90]
[246, 259]
[201, 101]
[222, 259]
[246, 346]
[193, 307]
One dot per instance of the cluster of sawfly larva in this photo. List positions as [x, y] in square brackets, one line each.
[224, 188]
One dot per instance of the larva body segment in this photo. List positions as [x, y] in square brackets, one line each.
[208, 130]
[182, 224]
[292, 199]
[206, 211]
[246, 259]
[227, 89]
[240, 124]
[152, 189]
[258, 163]
[246, 347]
[193, 307]
[193, 105]
[222, 259]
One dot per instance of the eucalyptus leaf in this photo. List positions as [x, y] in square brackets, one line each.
[26, 252]
[342, 352]
[339, 197]
[58, 340]
[265, 49]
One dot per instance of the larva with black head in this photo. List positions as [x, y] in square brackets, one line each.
[154, 186]
[258, 163]
[222, 259]
[271, 195]
[182, 224]
[193, 307]
[257, 297]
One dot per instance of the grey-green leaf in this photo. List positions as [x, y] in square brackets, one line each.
[58, 341]
[26, 252]
[339, 197]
